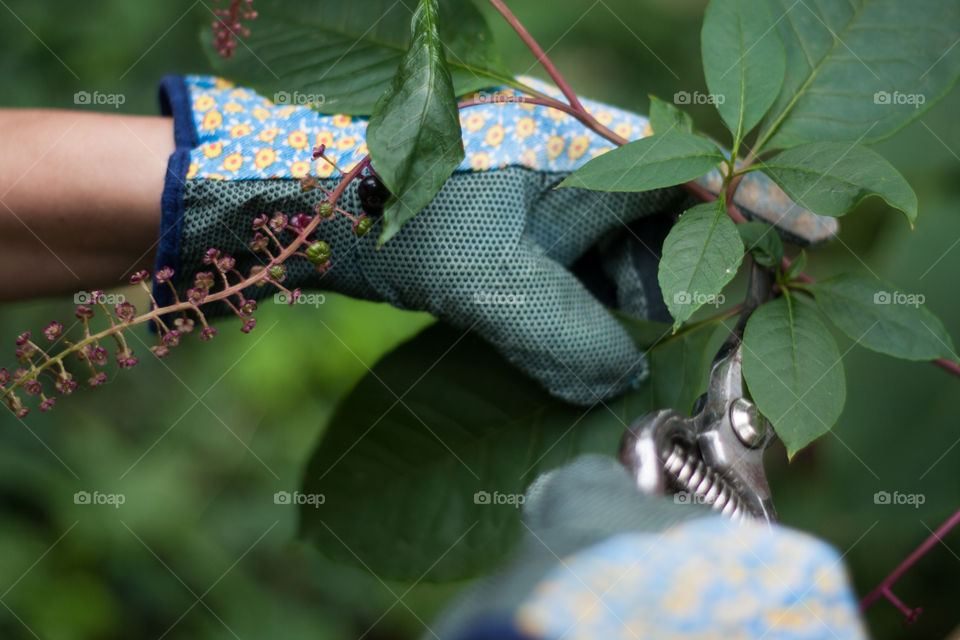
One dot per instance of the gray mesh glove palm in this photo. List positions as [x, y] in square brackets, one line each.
[491, 253]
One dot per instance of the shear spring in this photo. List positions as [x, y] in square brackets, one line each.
[695, 476]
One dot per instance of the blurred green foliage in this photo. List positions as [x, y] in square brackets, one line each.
[199, 442]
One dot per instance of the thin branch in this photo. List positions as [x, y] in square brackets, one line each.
[884, 588]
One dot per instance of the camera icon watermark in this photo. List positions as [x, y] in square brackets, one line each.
[495, 97]
[896, 498]
[96, 98]
[98, 297]
[897, 98]
[896, 297]
[310, 299]
[98, 498]
[312, 499]
[515, 500]
[685, 97]
[697, 298]
[685, 497]
[299, 99]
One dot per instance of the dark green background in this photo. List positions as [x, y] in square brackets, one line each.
[199, 443]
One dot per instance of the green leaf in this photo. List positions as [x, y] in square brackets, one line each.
[797, 266]
[414, 133]
[665, 117]
[347, 53]
[678, 363]
[649, 163]
[763, 242]
[831, 178]
[701, 254]
[857, 70]
[679, 368]
[794, 371]
[743, 61]
[879, 317]
[399, 476]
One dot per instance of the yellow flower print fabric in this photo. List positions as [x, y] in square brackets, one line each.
[708, 578]
[244, 136]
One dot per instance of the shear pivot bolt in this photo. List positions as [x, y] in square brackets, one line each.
[747, 423]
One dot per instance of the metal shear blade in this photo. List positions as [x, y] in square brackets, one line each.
[714, 457]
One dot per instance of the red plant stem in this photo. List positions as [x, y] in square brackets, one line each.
[579, 111]
[543, 102]
[948, 365]
[539, 53]
[883, 589]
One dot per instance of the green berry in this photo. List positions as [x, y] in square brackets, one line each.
[277, 272]
[318, 252]
[363, 226]
[325, 209]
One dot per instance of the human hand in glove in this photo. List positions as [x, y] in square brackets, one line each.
[495, 252]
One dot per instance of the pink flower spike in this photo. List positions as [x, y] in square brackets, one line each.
[248, 325]
[83, 312]
[260, 222]
[319, 150]
[226, 263]
[140, 276]
[97, 379]
[279, 222]
[196, 295]
[97, 355]
[125, 311]
[184, 325]
[259, 243]
[65, 384]
[163, 274]
[4, 376]
[23, 338]
[204, 279]
[207, 333]
[53, 331]
[33, 387]
[211, 256]
[159, 350]
[47, 404]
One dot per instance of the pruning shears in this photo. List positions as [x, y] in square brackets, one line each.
[714, 457]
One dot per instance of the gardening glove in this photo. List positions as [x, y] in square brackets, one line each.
[491, 253]
[602, 560]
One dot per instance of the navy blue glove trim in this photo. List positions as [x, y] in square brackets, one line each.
[493, 629]
[174, 101]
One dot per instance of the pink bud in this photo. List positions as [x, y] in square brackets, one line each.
[140, 276]
[83, 312]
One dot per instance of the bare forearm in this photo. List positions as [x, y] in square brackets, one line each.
[79, 198]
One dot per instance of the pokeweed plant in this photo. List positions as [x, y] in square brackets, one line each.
[800, 100]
